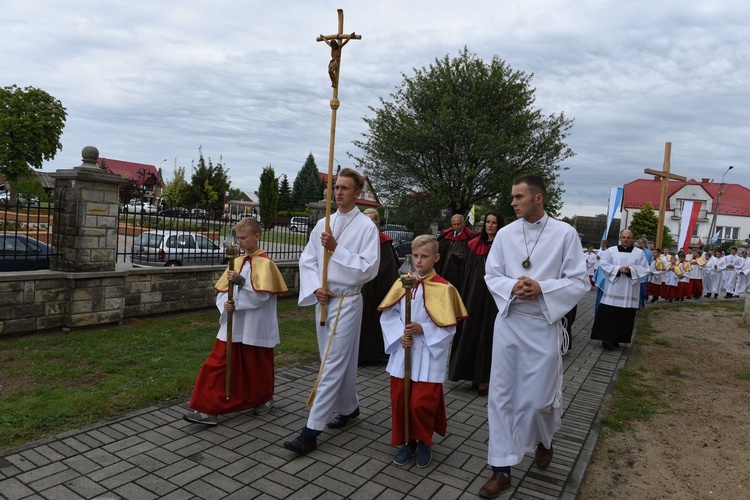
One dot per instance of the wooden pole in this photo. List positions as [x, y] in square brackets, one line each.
[408, 283]
[334, 70]
[663, 197]
[665, 176]
[230, 300]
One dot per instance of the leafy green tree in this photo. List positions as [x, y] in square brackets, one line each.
[28, 187]
[268, 196]
[285, 194]
[307, 186]
[177, 190]
[462, 130]
[209, 183]
[645, 221]
[31, 123]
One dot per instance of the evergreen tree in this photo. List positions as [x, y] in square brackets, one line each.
[209, 183]
[645, 221]
[268, 196]
[307, 186]
[285, 194]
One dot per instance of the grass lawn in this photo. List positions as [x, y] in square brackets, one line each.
[54, 382]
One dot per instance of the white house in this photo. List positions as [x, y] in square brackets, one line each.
[732, 218]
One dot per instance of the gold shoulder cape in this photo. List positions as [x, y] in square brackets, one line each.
[264, 276]
[441, 300]
[659, 265]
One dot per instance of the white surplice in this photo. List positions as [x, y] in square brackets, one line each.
[623, 290]
[254, 321]
[429, 353]
[525, 400]
[354, 262]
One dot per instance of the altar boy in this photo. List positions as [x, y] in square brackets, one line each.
[436, 308]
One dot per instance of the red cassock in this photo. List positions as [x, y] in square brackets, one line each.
[427, 413]
[252, 379]
[668, 292]
[696, 285]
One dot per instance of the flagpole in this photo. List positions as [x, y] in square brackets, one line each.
[606, 219]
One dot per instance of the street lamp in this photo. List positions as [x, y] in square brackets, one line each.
[716, 208]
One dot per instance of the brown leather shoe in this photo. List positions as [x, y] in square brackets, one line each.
[543, 456]
[497, 483]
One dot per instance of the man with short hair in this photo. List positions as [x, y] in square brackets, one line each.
[354, 248]
[623, 266]
[536, 274]
[454, 245]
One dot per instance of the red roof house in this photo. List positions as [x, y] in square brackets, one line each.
[732, 218]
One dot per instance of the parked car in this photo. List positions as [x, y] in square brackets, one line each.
[28, 200]
[140, 207]
[19, 252]
[402, 243]
[199, 213]
[299, 224]
[401, 237]
[176, 248]
[175, 212]
[4, 197]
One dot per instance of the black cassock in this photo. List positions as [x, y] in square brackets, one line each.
[371, 347]
[471, 352]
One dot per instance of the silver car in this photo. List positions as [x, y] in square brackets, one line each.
[176, 248]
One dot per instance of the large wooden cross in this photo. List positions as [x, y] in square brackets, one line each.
[665, 176]
[334, 69]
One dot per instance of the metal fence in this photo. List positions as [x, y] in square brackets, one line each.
[155, 239]
[26, 235]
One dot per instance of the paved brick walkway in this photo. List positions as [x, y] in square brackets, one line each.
[153, 453]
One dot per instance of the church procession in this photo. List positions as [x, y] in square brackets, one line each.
[470, 352]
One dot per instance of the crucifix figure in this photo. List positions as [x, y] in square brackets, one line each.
[334, 41]
[334, 67]
[665, 176]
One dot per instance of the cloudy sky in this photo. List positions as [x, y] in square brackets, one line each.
[246, 80]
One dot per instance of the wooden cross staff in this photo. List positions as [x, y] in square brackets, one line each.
[665, 176]
[334, 68]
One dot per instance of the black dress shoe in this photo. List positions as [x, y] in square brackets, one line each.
[340, 420]
[301, 445]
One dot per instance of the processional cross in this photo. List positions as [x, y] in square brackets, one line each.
[665, 176]
[334, 69]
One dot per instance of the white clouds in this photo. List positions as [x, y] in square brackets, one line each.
[246, 80]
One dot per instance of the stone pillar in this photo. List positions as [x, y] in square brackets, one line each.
[88, 200]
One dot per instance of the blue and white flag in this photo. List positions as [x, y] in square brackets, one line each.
[615, 199]
[716, 236]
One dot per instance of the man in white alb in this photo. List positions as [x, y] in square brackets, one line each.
[354, 246]
[624, 266]
[536, 274]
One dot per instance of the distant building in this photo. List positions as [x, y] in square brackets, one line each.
[591, 230]
[147, 178]
[732, 219]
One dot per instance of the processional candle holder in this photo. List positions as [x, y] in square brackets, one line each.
[232, 249]
[408, 280]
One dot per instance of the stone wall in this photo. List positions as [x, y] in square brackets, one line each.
[49, 300]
